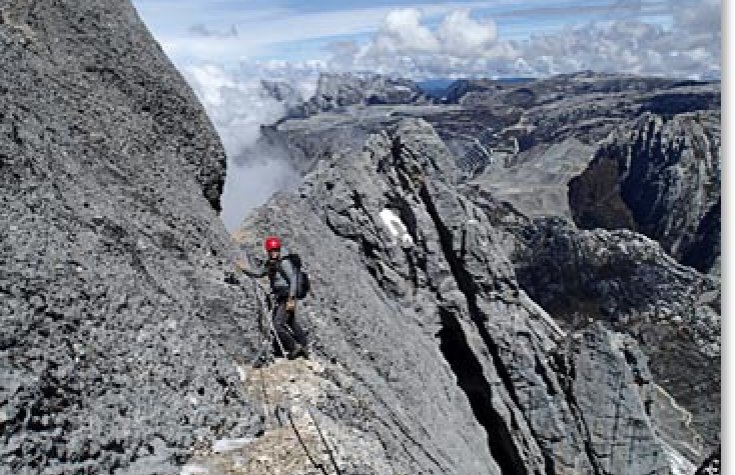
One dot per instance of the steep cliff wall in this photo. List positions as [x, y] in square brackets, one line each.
[661, 177]
[126, 344]
[116, 327]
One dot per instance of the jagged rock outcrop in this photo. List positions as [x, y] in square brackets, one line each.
[522, 140]
[660, 177]
[282, 91]
[126, 346]
[116, 328]
[416, 298]
[628, 281]
[337, 90]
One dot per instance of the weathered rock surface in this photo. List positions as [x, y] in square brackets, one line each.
[125, 344]
[628, 281]
[116, 328]
[660, 177]
[537, 184]
[524, 141]
[335, 90]
[416, 298]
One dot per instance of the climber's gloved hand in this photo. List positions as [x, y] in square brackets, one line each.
[291, 304]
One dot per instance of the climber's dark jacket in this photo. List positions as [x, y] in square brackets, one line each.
[283, 281]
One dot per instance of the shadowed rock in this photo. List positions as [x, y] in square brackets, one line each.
[660, 177]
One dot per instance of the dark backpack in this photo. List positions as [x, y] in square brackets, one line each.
[303, 285]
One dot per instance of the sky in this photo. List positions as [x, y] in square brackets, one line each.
[493, 37]
[225, 47]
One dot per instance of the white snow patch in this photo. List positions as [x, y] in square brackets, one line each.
[228, 445]
[395, 226]
[192, 469]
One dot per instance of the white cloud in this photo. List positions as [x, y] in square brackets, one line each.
[250, 186]
[259, 29]
[464, 46]
[403, 43]
[463, 36]
[238, 104]
[403, 32]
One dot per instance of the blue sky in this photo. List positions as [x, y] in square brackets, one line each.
[297, 30]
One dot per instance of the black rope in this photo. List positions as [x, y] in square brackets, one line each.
[317, 465]
[274, 335]
[324, 441]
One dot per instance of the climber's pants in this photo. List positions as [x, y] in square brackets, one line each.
[287, 328]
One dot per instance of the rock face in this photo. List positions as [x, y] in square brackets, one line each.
[339, 90]
[116, 328]
[440, 344]
[660, 177]
[629, 282]
[417, 297]
[522, 140]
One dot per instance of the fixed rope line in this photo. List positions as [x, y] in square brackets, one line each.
[319, 466]
[268, 313]
[324, 441]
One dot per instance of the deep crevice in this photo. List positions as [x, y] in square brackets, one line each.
[464, 363]
[469, 289]
[468, 371]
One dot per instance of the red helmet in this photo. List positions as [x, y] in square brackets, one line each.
[272, 243]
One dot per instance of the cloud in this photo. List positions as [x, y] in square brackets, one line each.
[705, 18]
[248, 187]
[200, 29]
[238, 104]
[402, 32]
[465, 46]
[457, 35]
[436, 41]
[461, 35]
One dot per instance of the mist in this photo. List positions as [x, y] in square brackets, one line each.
[249, 186]
[238, 104]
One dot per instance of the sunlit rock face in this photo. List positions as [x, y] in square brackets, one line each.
[450, 332]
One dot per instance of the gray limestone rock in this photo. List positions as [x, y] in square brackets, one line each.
[628, 281]
[126, 344]
[416, 297]
[661, 177]
[117, 330]
[335, 90]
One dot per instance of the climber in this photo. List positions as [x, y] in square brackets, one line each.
[286, 279]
